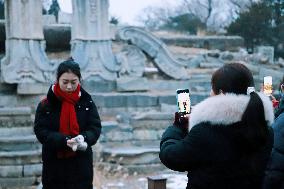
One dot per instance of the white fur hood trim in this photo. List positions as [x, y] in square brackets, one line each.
[227, 109]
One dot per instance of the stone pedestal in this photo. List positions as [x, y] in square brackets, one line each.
[267, 52]
[91, 40]
[25, 60]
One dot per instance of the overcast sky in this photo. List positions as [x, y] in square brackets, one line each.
[125, 10]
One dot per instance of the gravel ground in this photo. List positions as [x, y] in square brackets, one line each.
[175, 180]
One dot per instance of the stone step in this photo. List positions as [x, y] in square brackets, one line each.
[16, 131]
[19, 143]
[114, 103]
[112, 169]
[18, 183]
[152, 120]
[15, 117]
[20, 157]
[16, 171]
[131, 155]
[201, 79]
[146, 127]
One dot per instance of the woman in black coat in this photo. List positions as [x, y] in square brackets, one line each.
[67, 124]
[229, 141]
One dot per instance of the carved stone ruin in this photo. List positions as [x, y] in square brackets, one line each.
[91, 41]
[156, 49]
[25, 60]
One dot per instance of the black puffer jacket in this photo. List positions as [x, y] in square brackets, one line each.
[75, 172]
[274, 177]
[211, 152]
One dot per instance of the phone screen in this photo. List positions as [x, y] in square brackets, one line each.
[183, 101]
[267, 85]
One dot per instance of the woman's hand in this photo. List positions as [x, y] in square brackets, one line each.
[77, 143]
[182, 121]
[72, 144]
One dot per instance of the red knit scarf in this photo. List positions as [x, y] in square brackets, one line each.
[68, 120]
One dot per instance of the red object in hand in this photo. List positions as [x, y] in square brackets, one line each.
[181, 121]
[275, 103]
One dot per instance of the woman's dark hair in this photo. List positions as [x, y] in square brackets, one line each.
[232, 78]
[256, 131]
[236, 78]
[68, 66]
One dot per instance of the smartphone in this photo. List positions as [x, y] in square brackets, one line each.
[267, 85]
[183, 101]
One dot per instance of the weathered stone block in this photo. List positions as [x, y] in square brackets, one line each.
[48, 19]
[32, 89]
[266, 51]
[99, 86]
[19, 143]
[20, 157]
[118, 136]
[131, 155]
[146, 134]
[126, 100]
[132, 84]
[32, 170]
[64, 18]
[17, 182]
[11, 171]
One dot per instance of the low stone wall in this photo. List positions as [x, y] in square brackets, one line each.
[58, 38]
[231, 43]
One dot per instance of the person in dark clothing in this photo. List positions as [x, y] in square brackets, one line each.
[280, 106]
[228, 140]
[274, 177]
[67, 124]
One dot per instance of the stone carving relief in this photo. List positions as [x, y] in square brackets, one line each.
[132, 61]
[91, 42]
[95, 58]
[25, 60]
[156, 49]
[93, 11]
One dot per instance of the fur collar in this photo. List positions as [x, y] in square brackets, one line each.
[227, 109]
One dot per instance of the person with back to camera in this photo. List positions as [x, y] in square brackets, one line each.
[279, 104]
[227, 143]
[274, 177]
[67, 124]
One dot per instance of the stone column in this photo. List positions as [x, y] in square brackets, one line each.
[91, 40]
[25, 60]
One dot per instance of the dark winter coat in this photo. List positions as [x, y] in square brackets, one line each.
[274, 177]
[211, 152]
[68, 173]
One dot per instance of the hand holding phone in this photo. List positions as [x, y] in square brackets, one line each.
[267, 85]
[183, 101]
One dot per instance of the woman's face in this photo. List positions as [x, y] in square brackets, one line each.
[68, 82]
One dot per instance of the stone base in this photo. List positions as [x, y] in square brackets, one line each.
[32, 88]
[112, 169]
[18, 183]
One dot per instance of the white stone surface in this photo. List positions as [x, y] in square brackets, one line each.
[90, 20]
[91, 40]
[25, 60]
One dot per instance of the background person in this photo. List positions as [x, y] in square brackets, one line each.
[274, 178]
[280, 105]
[67, 119]
[229, 141]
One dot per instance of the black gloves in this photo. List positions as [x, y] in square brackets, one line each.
[181, 121]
